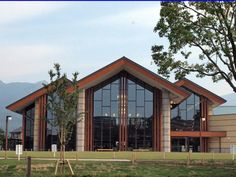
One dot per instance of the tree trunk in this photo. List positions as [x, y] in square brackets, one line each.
[63, 142]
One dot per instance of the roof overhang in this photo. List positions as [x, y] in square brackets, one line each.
[214, 99]
[24, 102]
[176, 93]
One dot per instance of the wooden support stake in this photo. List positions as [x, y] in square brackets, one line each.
[114, 155]
[202, 160]
[133, 158]
[61, 164]
[164, 155]
[28, 168]
[188, 159]
[56, 167]
[68, 162]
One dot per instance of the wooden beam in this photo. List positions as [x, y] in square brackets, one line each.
[197, 134]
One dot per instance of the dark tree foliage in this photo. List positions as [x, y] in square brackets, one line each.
[190, 27]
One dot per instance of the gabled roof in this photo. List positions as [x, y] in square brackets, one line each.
[138, 71]
[215, 99]
[20, 104]
[177, 94]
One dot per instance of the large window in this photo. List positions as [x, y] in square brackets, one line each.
[29, 127]
[106, 116]
[122, 111]
[186, 115]
[140, 114]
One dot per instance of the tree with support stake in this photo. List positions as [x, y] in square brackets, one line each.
[62, 104]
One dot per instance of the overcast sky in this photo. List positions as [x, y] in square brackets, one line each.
[81, 36]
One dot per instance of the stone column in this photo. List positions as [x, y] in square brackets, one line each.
[36, 126]
[80, 125]
[165, 131]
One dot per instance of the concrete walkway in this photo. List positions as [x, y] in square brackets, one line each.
[92, 160]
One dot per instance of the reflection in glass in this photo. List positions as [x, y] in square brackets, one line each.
[148, 95]
[185, 144]
[114, 91]
[106, 98]
[186, 115]
[140, 97]
[29, 127]
[131, 108]
[138, 107]
[131, 92]
[97, 108]
[148, 109]
[106, 117]
[98, 95]
[140, 114]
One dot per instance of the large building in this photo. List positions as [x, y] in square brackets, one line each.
[128, 107]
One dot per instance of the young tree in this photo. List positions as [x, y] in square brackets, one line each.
[62, 104]
[209, 27]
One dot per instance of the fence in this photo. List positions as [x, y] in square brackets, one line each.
[124, 155]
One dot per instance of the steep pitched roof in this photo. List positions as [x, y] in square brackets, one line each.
[215, 99]
[20, 104]
[133, 68]
[176, 93]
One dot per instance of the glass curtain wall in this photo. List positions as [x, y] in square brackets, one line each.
[186, 115]
[137, 100]
[140, 115]
[106, 116]
[29, 127]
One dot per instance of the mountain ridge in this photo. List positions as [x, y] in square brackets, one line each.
[11, 92]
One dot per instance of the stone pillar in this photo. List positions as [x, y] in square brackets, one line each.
[80, 125]
[36, 126]
[165, 124]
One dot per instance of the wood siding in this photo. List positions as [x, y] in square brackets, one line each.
[222, 123]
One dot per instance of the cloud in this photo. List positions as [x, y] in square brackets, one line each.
[16, 11]
[146, 17]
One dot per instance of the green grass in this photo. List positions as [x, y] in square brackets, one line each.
[13, 168]
[126, 155]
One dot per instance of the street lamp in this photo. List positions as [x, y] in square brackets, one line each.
[6, 138]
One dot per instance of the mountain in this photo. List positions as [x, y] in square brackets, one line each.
[231, 99]
[229, 107]
[11, 92]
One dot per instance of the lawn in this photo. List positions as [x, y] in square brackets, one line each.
[146, 164]
[13, 168]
